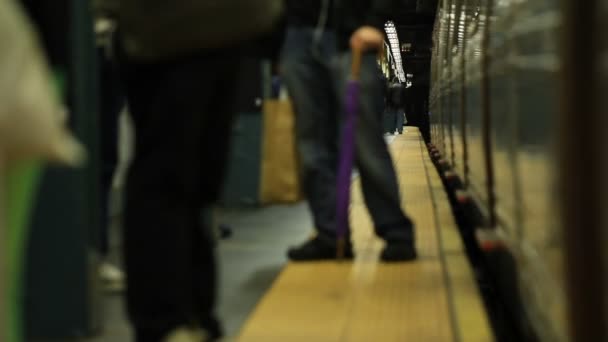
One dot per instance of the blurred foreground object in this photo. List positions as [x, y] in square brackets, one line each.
[31, 117]
[178, 61]
[31, 127]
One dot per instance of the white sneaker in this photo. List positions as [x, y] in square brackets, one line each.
[184, 334]
[113, 278]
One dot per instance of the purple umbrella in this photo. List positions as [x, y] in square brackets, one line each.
[347, 154]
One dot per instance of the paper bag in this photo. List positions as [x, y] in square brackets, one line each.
[280, 167]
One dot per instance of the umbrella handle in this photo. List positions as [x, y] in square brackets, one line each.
[356, 66]
[341, 248]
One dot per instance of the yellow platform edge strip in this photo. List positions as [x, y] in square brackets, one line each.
[295, 286]
[471, 317]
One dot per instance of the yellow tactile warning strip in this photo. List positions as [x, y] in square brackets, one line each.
[365, 300]
[469, 316]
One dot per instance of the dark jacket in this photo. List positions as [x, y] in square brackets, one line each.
[345, 15]
[395, 95]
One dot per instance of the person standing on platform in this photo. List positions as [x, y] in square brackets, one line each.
[178, 60]
[316, 63]
[394, 108]
[396, 99]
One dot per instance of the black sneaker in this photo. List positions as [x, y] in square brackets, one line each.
[398, 251]
[319, 249]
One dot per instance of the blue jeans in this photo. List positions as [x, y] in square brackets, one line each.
[316, 77]
[394, 119]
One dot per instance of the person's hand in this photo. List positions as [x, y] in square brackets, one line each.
[367, 38]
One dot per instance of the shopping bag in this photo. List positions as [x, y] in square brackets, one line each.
[280, 167]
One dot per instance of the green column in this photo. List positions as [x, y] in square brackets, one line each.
[20, 187]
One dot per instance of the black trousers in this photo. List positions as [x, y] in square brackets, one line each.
[182, 115]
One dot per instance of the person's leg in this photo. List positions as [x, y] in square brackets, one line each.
[169, 260]
[395, 121]
[400, 120]
[378, 177]
[155, 228]
[221, 71]
[307, 75]
[388, 121]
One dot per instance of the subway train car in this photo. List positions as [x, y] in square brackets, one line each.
[516, 132]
